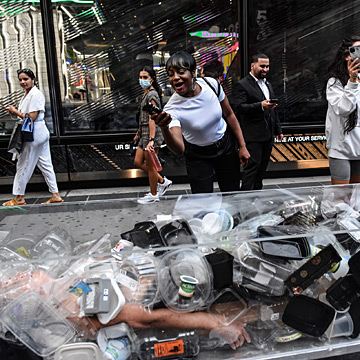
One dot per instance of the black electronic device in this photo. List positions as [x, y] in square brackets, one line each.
[152, 109]
[273, 101]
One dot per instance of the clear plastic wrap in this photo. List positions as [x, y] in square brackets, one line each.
[137, 279]
[215, 276]
[187, 262]
[36, 323]
[255, 272]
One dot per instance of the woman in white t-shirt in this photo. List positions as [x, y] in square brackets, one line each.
[199, 122]
[37, 152]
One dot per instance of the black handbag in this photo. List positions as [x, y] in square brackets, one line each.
[16, 139]
[27, 129]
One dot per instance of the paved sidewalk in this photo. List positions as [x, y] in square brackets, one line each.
[175, 189]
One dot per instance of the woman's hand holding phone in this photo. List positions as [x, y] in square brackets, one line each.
[161, 118]
[353, 69]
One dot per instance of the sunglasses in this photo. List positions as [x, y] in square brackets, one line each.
[26, 71]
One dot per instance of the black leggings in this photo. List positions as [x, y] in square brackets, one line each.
[202, 162]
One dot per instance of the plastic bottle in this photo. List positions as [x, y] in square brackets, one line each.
[167, 344]
[155, 160]
[118, 349]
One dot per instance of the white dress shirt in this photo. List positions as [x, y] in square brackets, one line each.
[263, 86]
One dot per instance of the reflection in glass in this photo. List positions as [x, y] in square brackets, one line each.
[21, 46]
[104, 44]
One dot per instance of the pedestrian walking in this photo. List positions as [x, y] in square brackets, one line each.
[37, 152]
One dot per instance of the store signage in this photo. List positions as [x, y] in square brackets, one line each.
[123, 147]
[207, 34]
[301, 138]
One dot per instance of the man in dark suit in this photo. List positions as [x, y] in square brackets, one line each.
[254, 104]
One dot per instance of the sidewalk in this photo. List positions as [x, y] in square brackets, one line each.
[175, 189]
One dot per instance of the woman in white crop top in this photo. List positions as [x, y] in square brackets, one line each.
[37, 152]
[198, 122]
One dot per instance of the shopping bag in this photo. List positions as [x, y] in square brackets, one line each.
[16, 139]
[27, 129]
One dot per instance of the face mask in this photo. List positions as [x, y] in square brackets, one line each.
[145, 83]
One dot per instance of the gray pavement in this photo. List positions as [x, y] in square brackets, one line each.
[175, 189]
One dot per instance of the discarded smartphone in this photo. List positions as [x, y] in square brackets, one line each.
[273, 101]
[355, 52]
[152, 109]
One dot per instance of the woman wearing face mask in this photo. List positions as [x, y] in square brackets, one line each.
[37, 152]
[149, 137]
[199, 122]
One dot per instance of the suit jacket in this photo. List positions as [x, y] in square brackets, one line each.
[256, 124]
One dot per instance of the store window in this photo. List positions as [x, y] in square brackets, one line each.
[103, 45]
[300, 37]
[21, 46]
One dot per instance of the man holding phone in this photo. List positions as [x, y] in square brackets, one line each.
[255, 106]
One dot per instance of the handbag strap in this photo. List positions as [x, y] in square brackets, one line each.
[29, 118]
[217, 93]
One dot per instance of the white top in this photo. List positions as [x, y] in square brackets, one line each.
[33, 101]
[263, 86]
[200, 116]
[341, 103]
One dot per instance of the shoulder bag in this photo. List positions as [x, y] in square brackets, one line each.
[27, 129]
[16, 139]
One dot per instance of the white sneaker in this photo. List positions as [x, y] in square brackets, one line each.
[148, 199]
[162, 188]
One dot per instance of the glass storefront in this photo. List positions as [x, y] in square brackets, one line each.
[301, 38]
[103, 45]
[21, 46]
[91, 79]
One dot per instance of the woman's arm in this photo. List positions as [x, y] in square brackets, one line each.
[13, 110]
[234, 125]
[172, 136]
[341, 99]
[152, 130]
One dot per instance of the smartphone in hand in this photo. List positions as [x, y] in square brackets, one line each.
[355, 52]
[274, 101]
[152, 109]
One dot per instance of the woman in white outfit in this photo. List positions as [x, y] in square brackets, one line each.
[36, 153]
[342, 120]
